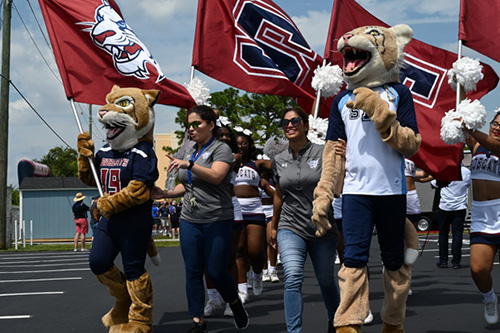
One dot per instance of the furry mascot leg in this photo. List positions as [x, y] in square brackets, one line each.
[140, 313]
[396, 286]
[117, 287]
[354, 306]
[411, 242]
[153, 253]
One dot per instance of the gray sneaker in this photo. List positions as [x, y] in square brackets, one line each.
[491, 311]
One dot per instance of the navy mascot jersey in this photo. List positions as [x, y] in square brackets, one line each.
[117, 168]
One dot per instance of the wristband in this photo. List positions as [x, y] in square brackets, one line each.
[191, 163]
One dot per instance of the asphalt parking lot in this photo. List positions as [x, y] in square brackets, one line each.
[56, 292]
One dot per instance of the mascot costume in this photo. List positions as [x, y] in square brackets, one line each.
[127, 167]
[376, 117]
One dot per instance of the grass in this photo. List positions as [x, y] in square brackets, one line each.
[68, 246]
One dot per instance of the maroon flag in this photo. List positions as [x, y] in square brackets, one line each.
[425, 73]
[479, 26]
[253, 45]
[96, 49]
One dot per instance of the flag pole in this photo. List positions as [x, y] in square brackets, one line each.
[92, 166]
[192, 73]
[457, 102]
[318, 98]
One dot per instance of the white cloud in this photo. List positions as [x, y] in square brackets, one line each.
[314, 28]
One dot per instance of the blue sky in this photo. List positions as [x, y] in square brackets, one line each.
[167, 28]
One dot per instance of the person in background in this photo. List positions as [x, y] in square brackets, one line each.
[297, 170]
[268, 188]
[412, 175]
[175, 213]
[485, 212]
[452, 211]
[80, 210]
[156, 219]
[251, 250]
[207, 219]
[164, 217]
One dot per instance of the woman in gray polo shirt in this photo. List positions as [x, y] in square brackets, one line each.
[297, 171]
[207, 218]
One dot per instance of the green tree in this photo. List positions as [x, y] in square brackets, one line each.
[257, 112]
[62, 162]
[15, 197]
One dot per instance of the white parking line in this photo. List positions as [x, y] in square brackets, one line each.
[85, 260]
[16, 317]
[48, 271]
[42, 280]
[34, 293]
[48, 265]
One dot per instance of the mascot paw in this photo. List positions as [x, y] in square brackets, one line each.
[85, 145]
[104, 205]
[411, 256]
[321, 207]
[365, 100]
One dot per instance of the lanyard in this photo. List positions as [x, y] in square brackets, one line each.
[195, 157]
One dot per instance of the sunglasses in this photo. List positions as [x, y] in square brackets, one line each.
[195, 124]
[494, 124]
[295, 122]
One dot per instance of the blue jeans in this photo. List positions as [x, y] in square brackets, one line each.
[293, 252]
[457, 219]
[207, 246]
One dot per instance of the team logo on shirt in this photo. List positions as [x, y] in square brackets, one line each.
[313, 164]
[206, 155]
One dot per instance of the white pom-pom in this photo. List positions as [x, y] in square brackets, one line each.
[275, 145]
[467, 72]
[317, 130]
[451, 128]
[199, 91]
[473, 114]
[327, 79]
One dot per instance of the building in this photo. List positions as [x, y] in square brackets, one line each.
[47, 202]
[164, 140]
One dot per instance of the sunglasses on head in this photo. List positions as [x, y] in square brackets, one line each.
[295, 122]
[195, 124]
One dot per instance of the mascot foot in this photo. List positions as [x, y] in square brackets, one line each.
[131, 328]
[140, 313]
[117, 287]
[392, 328]
[348, 329]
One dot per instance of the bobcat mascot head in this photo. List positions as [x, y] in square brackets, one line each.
[128, 117]
[373, 55]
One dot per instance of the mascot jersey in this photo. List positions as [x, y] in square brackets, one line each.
[377, 169]
[119, 168]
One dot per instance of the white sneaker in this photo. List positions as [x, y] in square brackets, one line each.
[274, 277]
[278, 260]
[211, 307]
[410, 292]
[369, 319]
[491, 311]
[243, 296]
[266, 277]
[257, 284]
[337, 260]
[228, 312]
